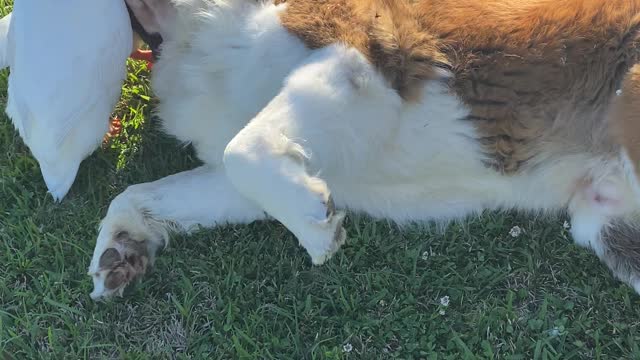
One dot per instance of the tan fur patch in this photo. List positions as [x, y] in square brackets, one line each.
[535, 72]
[538, 75]
[384, 31]
[625, 119]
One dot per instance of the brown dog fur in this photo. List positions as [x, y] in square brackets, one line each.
[384, 31]
[531, 69]
[625, 118]
[528, 69]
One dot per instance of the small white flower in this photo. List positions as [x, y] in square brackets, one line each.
[515, 231]
[554, 332]
[425, 255]
[347, 347]
[619, 92]
[442, 312]
[444, 301]
[382, 303]
[566, 225]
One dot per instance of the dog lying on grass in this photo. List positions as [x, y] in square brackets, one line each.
[407, 110]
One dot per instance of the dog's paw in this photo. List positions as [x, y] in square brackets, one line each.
[124, 260]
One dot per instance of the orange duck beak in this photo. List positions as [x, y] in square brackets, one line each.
[144, 55]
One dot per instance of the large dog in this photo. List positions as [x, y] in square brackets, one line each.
[406, 110]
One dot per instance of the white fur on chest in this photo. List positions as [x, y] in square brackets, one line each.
[214, 81]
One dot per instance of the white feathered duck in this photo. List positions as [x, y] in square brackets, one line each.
[66, 77]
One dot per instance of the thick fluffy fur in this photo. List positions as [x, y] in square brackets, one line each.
[308, 106]
[536, 73]
[625, 126]
[528, 70]
[386, 32]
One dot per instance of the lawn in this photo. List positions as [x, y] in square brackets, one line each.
[479, 289]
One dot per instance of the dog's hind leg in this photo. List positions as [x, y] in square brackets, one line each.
[325, 117]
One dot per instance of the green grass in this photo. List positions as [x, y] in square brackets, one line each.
[250, 291]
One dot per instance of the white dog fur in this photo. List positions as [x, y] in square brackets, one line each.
[288, 131]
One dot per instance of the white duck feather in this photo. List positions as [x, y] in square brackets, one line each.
[68, 63]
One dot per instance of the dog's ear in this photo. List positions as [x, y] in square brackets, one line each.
[155, 16]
